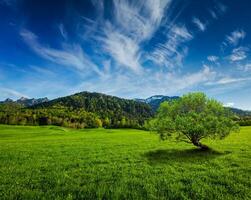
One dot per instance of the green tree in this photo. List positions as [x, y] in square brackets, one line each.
[106, 122]
[123, 122]
[192, 118]
[98, 123]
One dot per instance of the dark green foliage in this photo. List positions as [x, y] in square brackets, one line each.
[78, 111]
[192, 118]
[244, 121]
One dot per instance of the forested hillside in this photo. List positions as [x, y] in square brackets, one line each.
[80, 110]
[88, 110]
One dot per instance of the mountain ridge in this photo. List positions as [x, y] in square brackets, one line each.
[153, 101]
[26, 102]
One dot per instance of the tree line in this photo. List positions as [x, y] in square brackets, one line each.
[82, 110]
[85, 110]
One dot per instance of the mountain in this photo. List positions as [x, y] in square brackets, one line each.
[156, 100]
[79, 110]
[241, 113]
[25, 102]
[86, 109]
[101, 104]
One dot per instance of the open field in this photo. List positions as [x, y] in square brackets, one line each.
[59, 163]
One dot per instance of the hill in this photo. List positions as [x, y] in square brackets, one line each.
[79, 110]
[101, 104]
[86, 109]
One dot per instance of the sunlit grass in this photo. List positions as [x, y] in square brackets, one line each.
[61, 163]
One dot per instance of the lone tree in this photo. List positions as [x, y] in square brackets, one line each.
[192, 118]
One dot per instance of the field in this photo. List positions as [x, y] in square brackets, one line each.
[59, 163]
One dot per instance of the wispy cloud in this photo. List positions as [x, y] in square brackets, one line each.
[218, 10]
[229, 104]
[246, 67]
[139, 20]
[213, 58]
[133, 23]
[10, 93]
[171, 53]
[122, 48]
[129, 85]
[41, 70]
[204, 75]
[201, 26]
[70, 55]
[228, 80]
[238, 54]
[234, 38]
[62, 31]
[220, 7]
[135, 44]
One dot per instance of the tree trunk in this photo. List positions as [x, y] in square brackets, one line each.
[201, 146]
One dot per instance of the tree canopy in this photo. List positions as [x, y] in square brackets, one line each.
[191, 118]
[80, 110]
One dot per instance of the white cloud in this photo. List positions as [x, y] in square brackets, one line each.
[201, 26]
[122, 48]
[238, 54]
[213, 58]
[139, 19]
[228, 80]
[229, 104]
[70, 55]
[171, 53]
[10, 93]
[247, 67]
[62, 31]
[41, 70]
[121, 40]
[130, 86]
[180, 32]
[235, 37]
[218, 10]
[204, 75]
[213, 14]
[133, 23]
[221, 8]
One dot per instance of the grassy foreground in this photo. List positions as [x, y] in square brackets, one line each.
[60, 163]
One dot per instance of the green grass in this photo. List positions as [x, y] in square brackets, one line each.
[60, 163]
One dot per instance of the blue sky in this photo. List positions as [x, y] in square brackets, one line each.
[131, 49]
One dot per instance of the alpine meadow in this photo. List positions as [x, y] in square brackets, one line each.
[125, 99]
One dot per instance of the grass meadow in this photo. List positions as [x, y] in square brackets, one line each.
[59, 163]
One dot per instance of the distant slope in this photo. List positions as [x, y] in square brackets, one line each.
[156, 100]
[105, 106]
[87, 109]
[25, 101]
[241, 113]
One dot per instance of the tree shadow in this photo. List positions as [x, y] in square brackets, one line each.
[188, 155]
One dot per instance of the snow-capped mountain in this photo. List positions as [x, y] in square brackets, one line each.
[26, 102]
[156, 100]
